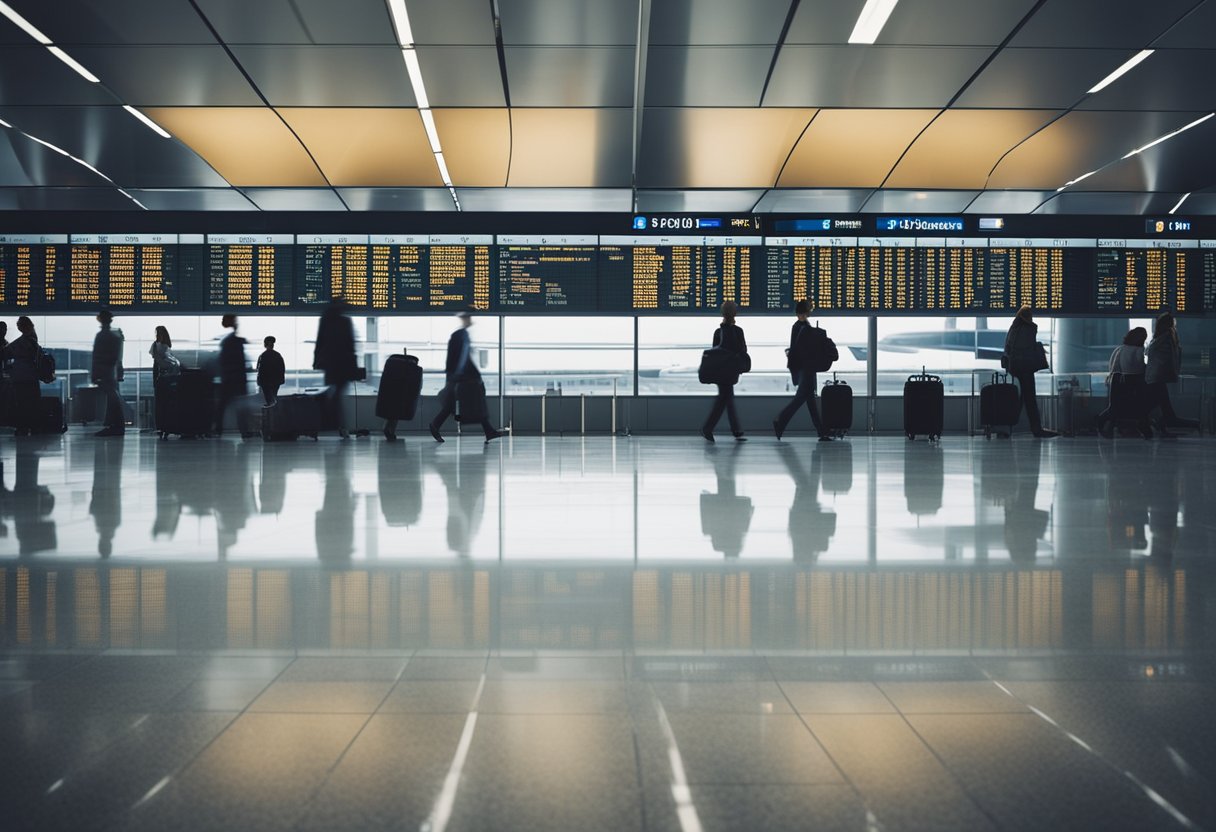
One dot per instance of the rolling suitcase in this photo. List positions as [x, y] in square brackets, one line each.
[50, 416]
[189, 405]
[88, 404]
[291, 417]
[924, 406]
[1000, 406]
[837, 406]
[471, 401]
[400, 387]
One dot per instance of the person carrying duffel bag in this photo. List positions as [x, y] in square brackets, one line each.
[722, 366]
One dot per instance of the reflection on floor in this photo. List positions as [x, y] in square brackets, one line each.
[606, 634]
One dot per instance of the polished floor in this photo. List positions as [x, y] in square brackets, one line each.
[629, 633]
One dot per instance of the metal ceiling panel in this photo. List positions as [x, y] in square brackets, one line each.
[461, 76]
[118, 145]
[870, 76]
[717, 22]
[960, 147]
[912, 23]
[476, 145]
[295, 199]
[911, 202]
[717, 148]
[169, 76]
[64, 199]
[1184, 163]
[1042, 78]
[571, 148]
[24, 162]
[247, 145]
[596, 76]
[365, 147]
[1169, 79]
[119, 22]
[734, 200]
[32, 75]
[300, 21]
[1083, 202]
[1199, 205]
[851, 148]
[328, 76]
[568, 22]
[545, 199]
[1079, 142]
[193, 199]
[398, 199]
[1007, 202]
[812, 200]
[706, 76]
[1193, 32]
[1126, 24]
[452, 22]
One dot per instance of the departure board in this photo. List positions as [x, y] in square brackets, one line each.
[547, 273]
[34, 271]
[250, 272]
[1146, 276]
[1207, 253]
[123, 271]
[683, 274]
[339, 266]
[1037, 272]
[431, 273]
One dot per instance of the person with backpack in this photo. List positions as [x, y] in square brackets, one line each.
[107, 372]
[1023, 357]
[811, 351]
[271, 371]
[728, 336]
[21, 358]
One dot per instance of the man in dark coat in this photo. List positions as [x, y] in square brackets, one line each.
[461, 371]
[335, 356]
[107, 372]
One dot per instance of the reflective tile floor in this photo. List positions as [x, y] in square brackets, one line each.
[571, 634]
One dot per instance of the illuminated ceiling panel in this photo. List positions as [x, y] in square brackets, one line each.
[851, 148]
[476, 145]
[247, 145]
[1078, 143]
[717, 148]
[960, 147]
[571, 148]
[372, 147]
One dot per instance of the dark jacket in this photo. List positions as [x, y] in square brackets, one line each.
[107, 354]
[232, 361]
[271, 369]
[1020, 341]
[22, 357]
[460, 365]
[793, 360]
[335, 350]
[730, 337]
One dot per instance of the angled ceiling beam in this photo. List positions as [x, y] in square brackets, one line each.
[639, 91]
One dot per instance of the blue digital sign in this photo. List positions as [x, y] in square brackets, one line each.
[1167, 226]
[919, 224]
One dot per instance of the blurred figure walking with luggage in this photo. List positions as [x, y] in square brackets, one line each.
[728, 336]
[107, 372]
[463, 384]
[335, 356]
[1023, 357]
[1128, 399]
[1164, 363]
[233, 383]
[272, 371]
[20, 359]
[807, 351]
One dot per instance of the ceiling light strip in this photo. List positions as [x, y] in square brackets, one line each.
[1123, 69]
[1178, 204]
[405, 37]
[75, 159]
[23, 24]
[74, 64]
[871, 20]
[160, 131]
[1071, 182]
[1168, 136]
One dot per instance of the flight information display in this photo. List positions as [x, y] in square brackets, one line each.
[34, 271]
[553, 273]
[1207, 254]
[1144, 276]
[683, 274]
[122, 271]
[250, 272]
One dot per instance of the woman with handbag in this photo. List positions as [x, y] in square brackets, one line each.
[728, 337]
[1023, 357]
[1164, 361]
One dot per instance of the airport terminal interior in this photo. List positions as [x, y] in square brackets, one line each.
[574, 604]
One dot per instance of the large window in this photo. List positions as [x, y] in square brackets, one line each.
[427, 338]
[569, 356]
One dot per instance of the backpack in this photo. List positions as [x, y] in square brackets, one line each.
[44, 366]
[817, 351]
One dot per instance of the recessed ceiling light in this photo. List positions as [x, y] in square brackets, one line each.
[401, 20]
[85, 164]
[29, 28]
[74, 64]
[871, 20]
[159, 130]
[443, 169]
[1182, 129]
[1075, 181]
[1121, 71]
[1179, 203]
[428, 124]
[415, 71]
[4, 123]
[45, 143]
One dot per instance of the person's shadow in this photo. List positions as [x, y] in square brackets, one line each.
[726, 515]
[810, 526]
[1025, 525]
[105, 503]
[29, 504]
[335, 521]
[464, 478]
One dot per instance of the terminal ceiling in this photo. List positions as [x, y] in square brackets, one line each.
[608, 105]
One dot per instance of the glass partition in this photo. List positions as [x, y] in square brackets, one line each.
[570, 356]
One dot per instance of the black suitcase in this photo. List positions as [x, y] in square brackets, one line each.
[1000, 406]
[400, 387]
[471, 401]
[189, 406]
[924, 406]
[88, 404]
[50, 416]
[837, 406]
[291, 417]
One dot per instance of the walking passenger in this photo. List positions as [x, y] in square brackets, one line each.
[460, 370]
[1023, 357]
[1127, 374]
[233, 384]
[728, 336]
[164, 366]
[1164, 362]
[272, 372]
[21, 358]
[800, 360]
[107, 373]
[335, 355]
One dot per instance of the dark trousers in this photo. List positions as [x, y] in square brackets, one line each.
[270, 392]
[1030, 402]
[1158, 395]
[447, 408]
[228, 394]
[335, 399]
[805, 394]
[26, 405]
[1135, 405]
[724, 401]
[109, 389]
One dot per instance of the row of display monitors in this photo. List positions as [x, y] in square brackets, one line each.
[604, 275]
